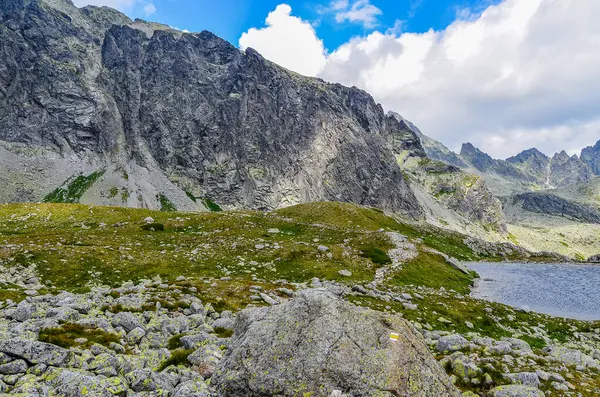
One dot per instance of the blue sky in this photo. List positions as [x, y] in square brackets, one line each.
[230, 18]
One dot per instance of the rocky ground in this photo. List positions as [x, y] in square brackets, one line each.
[159, 339]
[325, 299]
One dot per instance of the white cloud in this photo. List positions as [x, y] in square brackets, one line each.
[288, 41]
[360, 11]
[149, 9]
[507, 77]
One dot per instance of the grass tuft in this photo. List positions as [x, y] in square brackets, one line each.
[65, 335]
[178, 357]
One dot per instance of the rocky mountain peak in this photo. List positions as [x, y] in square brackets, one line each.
[591, 156]
[478, 159]
[529, 155]
[100, 93]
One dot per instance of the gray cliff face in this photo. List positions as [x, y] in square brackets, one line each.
[566, 170]
[530, 169]
[433, 149]
[551, 204]
[591, 156]
[533, 161]
[93, 85]
[485, 163]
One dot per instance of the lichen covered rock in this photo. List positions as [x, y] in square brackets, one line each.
[318, 343]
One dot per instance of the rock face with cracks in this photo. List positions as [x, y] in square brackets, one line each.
[226, 126]
[318, 344]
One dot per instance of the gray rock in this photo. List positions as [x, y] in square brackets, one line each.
[268, 299]
[525, 378]
[35, 352]
[141, 380]
[136, 335]
[24, 311]
[574, 357]
[451, 343]
[345, 273]
[232, 110]
[192, 389]
[360, 289]
[75, 383]
[205, 360]
[192, 341]
[225, 323]
[127, 320]
[63, 314]
[516, 391]
[14, 367]
[130, 302]
[326, 345]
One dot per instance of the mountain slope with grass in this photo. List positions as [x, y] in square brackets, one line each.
[169, 301]
[145, 114]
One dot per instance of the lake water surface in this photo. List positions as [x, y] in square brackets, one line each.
[565, 290]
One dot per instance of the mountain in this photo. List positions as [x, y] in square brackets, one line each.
[435, 150]
[591, 156]
[97, 108]
[531, 161]
[527, 171]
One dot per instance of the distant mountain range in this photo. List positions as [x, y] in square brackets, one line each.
[530, 170]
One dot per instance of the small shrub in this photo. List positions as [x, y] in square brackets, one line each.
[178, 357]
[153, 227]
[376, 255]
[174, 342]
[223, 332]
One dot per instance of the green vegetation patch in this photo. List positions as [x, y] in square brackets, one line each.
[153, 227]
[431, 270]
[178, 357]
[223, 332]
[191, 196]
[165, 204]
[174, 342]
[376, 255]
[211, 205]
[65, 336]
[74, 190]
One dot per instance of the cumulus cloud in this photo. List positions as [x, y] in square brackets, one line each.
[518, 74]
[288, 41]
[360, 11]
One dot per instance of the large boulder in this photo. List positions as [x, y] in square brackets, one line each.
[516, 391]
[317, 343]
[35, 352]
